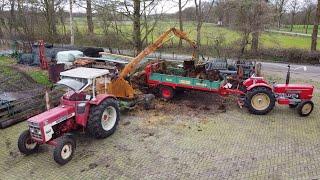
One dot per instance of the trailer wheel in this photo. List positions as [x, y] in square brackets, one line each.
[64, 150]
[305, 108]
[166, 92]
[26, 145]
[103, 119]
[260, 100]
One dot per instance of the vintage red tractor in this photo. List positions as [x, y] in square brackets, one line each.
[260, 97]
[96, 114]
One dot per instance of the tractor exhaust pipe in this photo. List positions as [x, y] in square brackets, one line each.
[288, 75]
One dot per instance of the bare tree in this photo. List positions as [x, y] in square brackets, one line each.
[201, 16]
[308, 10]
[280, 10]
[181, 5]
[251, 17]
[315, 29]
[89, 17]
[137, 26]
[49, 8]
[71, 23]
[294, 6]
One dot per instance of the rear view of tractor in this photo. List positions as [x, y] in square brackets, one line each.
[79, 111]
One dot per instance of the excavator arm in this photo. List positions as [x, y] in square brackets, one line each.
[153, 47]
[119, 87]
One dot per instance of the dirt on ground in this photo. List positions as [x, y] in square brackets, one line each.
[13, 79]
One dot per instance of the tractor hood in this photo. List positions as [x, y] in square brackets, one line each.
[53, 116]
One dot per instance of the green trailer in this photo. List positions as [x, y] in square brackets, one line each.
[167, 84]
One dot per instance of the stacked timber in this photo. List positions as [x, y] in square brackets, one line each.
[12, 112]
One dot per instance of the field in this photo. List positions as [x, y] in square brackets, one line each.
[182, 139]
[210, 32]
[35, 73]
[298, 28]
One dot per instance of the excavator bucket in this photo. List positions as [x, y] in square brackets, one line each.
[121, 88]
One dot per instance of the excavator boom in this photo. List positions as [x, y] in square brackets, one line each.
[119, 87]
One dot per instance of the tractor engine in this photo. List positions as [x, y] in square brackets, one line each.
[292, 93]
[51, 123]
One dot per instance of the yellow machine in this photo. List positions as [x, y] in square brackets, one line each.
[121, 88]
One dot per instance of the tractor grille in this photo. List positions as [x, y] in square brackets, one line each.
[35, 131]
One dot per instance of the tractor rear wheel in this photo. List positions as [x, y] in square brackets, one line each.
[64, 150]
[103, 119]
[305, 108]
[26, 144]
[166, 92]
[260, 100]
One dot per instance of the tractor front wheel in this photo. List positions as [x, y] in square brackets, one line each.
[260, 100]
[26, 144]
[64, 150]
[305, 108]
[166, 92]
[103, 119]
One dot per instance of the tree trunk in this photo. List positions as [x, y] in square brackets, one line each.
[292, 22]
[50, 19]
[256, 32]
[199, 24]
[12, 18]
[137, 26]
[255, 42]
[180, 21]
[89, 17]
[279, 21]
[315, 29]
[145, 22]
[71, 24]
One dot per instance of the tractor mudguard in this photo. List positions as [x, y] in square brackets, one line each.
[259, 85]
[100, 98]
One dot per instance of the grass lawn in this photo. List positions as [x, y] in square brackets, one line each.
[209, 33]
[298, 28]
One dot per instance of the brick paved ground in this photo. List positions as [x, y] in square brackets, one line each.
[180, 142]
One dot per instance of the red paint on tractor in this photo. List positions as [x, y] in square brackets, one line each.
[101, 97]
[52, 115]
[305, 91]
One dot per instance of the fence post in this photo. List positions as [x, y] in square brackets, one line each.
[47, 100]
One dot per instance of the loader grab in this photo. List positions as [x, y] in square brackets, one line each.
[121, 88]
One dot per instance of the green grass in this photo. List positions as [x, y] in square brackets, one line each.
[298, 28]
[5, 61]
[209, 33]
[40, 77]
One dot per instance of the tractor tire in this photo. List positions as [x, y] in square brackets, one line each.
[305, 108]
[26, 145]
[166, 92]
[103, 119]
[260, 100]
[64, 150]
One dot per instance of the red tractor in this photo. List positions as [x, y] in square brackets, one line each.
[255, 93]
[260, 97]
[96, 114]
